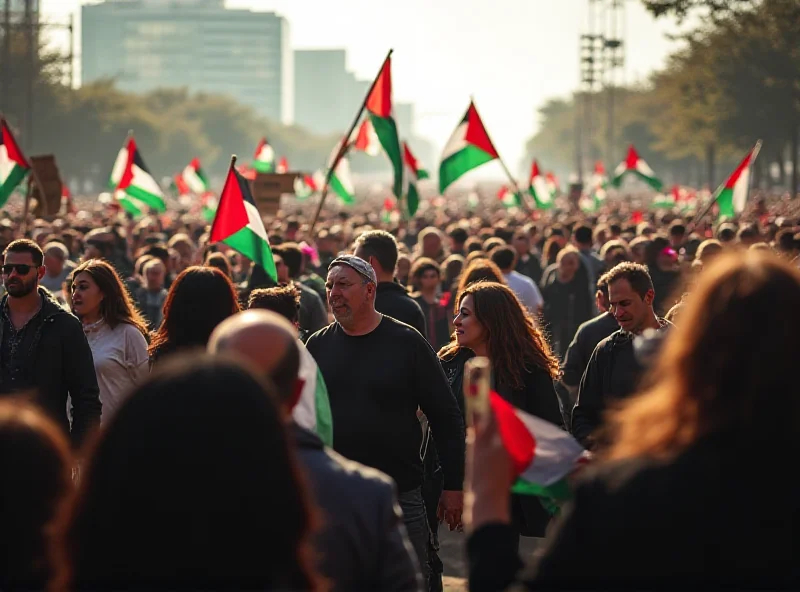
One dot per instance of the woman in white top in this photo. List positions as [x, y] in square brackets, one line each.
[115, 330]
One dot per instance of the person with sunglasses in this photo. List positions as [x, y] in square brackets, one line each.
[43, 350]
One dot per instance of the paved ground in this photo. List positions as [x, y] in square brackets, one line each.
[453, 554]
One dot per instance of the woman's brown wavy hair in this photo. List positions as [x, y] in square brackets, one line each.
[117, 305]
[516, 345]
[478, 270]
[730, 363]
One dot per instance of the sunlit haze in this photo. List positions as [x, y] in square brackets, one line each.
[511, 55]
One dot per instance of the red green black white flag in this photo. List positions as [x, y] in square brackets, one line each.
[238, 223]
[379, 108]
[13, 164]
[468, 148]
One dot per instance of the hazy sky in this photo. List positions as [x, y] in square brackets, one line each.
[511, 55]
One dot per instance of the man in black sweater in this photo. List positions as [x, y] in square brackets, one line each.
[379, 249]
[379, 372]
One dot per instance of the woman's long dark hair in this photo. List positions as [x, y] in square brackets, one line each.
[199, 299]
[193, 484]
[479, 270]
[516, 344]
[36, 468]
[117, 306]
[731, 363]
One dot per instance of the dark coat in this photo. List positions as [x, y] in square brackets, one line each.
[392, 300]
[362, 544]
[59, 363]
[700, 521]
[537, 397]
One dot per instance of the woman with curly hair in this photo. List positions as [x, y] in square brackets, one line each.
[492, 322]
[114, 328]
[199, 299]
[478, 270]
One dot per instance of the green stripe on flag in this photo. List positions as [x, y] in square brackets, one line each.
[129, 206]
[14, 178]
[263, 167]
[459, 163]
[386, 130]
[322, 406]
[255, 248]
[341, 191]
[147, 198]
[209, 213]
[725, 203]
[412, 199]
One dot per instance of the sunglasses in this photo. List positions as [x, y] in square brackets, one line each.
[21, 268]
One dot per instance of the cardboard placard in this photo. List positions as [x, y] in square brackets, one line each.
[268, 189]
[47, 185]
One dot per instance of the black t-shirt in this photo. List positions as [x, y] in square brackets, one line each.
[375, 384]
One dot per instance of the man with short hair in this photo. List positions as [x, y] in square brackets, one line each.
[458, 236]
[313, 410]
[583, 237]
[43, 349]
[505, 257]
[313, 315]
[379, 249]
[677, 235]
[527, 262]
[58, 265]
[588, 335]
[379, 372]
[613, 371]
[362, 543]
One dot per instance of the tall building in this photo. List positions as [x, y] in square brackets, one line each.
[323, 90]
[197, 44]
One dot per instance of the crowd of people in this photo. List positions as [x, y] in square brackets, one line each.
[173, 417]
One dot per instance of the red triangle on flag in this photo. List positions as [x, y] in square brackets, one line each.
[12, 149]
[534, 170]
[195, 164]
[409, 159]
[362, 138]
[517, 439]
[231, 214]
[632, 158]
[476, 132]
[379, 101]
[127, 174]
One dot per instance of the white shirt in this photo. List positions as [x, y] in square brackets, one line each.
[526, 290]
[120, 361]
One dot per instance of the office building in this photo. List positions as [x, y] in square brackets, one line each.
[198, 44]
[324, 90]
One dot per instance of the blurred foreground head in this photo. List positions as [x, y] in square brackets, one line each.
[191, 485]
[36, 469]
[731, 363]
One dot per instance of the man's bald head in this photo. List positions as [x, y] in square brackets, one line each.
[268, 341]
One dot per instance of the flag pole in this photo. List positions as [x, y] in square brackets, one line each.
[344, 146]
[718, 192]
[511, 178]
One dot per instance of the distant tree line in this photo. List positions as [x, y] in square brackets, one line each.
[736, 80]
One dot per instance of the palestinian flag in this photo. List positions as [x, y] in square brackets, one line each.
[238, 223]
[305, 187]
[599, 178]
[341, 179]
[366, 139]
[283, 166]
[413, 173]
[313, 410]
[635, 165]
[468, 148]
[13, 164]
[542, 454]
[538, 188]
[379, 107]
[731, 197]
[386, 211]
[134, 186]
[264, 159]
[664, 200]
[508, 198]
[194, 179]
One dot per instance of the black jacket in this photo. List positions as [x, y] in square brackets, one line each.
[362, 544]
[59, 363]
[613, 373]
[697, 522]
[537, 397]
[393, 301]
[588, 335]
